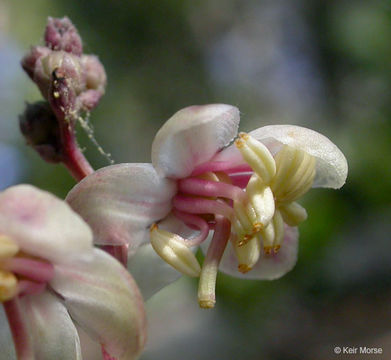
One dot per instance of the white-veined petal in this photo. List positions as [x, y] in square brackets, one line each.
[53, 333]
[43, 225]
[192, 136]
[104, 300]
[331, 164]
[121, 201]
[268, 267]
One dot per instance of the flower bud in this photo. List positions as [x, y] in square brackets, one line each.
[29, 60]
[39, 126]
[95, 73]
[61, 34]
[66, 64]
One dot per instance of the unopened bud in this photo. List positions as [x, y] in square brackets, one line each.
[61, 62]
[61, 34]
[39, 126]
[95, 73]
[29, 61]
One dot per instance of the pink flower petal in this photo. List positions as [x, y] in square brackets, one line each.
[269, 267]
[192, 136]
[120, 202]
[53, 333]
[105, 302]
[331, 164]
[42, 224]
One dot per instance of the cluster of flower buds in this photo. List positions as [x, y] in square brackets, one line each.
[60, 69]
[72, 84]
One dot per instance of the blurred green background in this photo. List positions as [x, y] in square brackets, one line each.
[321, 64]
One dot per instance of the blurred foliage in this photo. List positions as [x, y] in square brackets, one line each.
[321, 64]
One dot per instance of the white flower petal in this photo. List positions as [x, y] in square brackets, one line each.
[269, 267]
[43, 225]
[6, 341]
[331, 164]
[192, 136]
[53, 332]
[104, 300]
[119, 202]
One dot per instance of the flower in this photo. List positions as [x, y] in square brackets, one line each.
[54, 284]
[244, 193]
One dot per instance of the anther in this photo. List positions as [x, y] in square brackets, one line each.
[248, 254]
[8, 248]
[257, 156]
[8, 285]
[173, 249]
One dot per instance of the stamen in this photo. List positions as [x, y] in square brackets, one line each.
[286, 161]
[202, 187]
[194, 221]
[8, 248]
[247, 255]
[295, 174]
[207, 283]
[293, 213]
[216, 166]
[172, 248]
[268, 236]
[262, 200]
[8, 285]
[32, 269]
[278, 224]
[202, 206]
[257, 156]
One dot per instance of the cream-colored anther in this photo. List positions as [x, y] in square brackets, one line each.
[293, 213]
[294, 175]
[261, 199]
[257, 156]
[172, 248]
[240, 211]
[278, 224]
[248, 254]
[8, 248]
[8, 285]
[242, 234]
[268, 236]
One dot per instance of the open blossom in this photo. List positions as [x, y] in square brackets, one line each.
[244, 194]
[53, 283]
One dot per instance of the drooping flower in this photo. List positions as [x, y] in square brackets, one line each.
[245, 194]
[53, 282]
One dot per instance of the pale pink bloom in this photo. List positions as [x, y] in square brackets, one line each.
[54, 282]
[198, 185]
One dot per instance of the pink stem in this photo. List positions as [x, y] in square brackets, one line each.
[240, 180]
[225, 166]
[33, 269]
[196, 221]
[203, 187]
[73, 158]
[27, 287]
[201, 206]
[18, 329]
